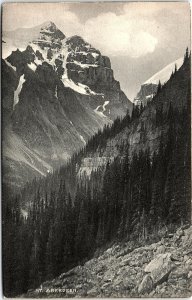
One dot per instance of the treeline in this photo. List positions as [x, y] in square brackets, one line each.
[129, 198]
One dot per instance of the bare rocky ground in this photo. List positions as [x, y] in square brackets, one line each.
[161, 269]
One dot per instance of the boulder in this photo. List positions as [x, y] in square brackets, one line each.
[161, 249]
[93, 292]
[179, 233]
[160, 267]
[190, 274]
[186, 240]
[146, 284]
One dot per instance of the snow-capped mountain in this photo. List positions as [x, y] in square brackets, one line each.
[19, 38]
[149, 87]
[57, 92]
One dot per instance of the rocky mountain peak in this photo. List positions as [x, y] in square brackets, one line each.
[49, 25]
[68, 82]
[76, 39]
[49, 36]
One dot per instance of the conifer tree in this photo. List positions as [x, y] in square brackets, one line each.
[81, 233]
[159, 87]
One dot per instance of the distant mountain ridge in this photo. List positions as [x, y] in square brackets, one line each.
[21, 37]
[57, 93]
[149, 87]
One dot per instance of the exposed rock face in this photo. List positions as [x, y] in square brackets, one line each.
[145, 94]
[86, 65]
[57, 93]
[92, 164]
[121, 270]
[50, 36]
[10, 82]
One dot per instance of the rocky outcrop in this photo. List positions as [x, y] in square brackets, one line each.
[87, 66]
[145, 94]
[95, 76]
[49, 36]
[130, 270]
[92, 164]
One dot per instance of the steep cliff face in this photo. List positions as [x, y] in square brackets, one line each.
[57, 93]
[87, 65]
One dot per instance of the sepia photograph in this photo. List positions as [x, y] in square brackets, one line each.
[96, 150]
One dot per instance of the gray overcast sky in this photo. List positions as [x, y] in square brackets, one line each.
[139, 37]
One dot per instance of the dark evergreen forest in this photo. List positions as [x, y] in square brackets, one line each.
[129, 198]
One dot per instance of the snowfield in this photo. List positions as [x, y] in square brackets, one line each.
[165, 73]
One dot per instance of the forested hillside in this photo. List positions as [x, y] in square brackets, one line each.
[59, 222]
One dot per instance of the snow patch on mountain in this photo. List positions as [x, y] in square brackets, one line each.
[84, 66]
[102, 110]
[104, 105]
[77, 87]
[37, 48]
[97, 108]
[32, 66]
[56, 92]
[82, 139]
[94, 54]
[150, 96]
[18, 90]
[37, 61]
